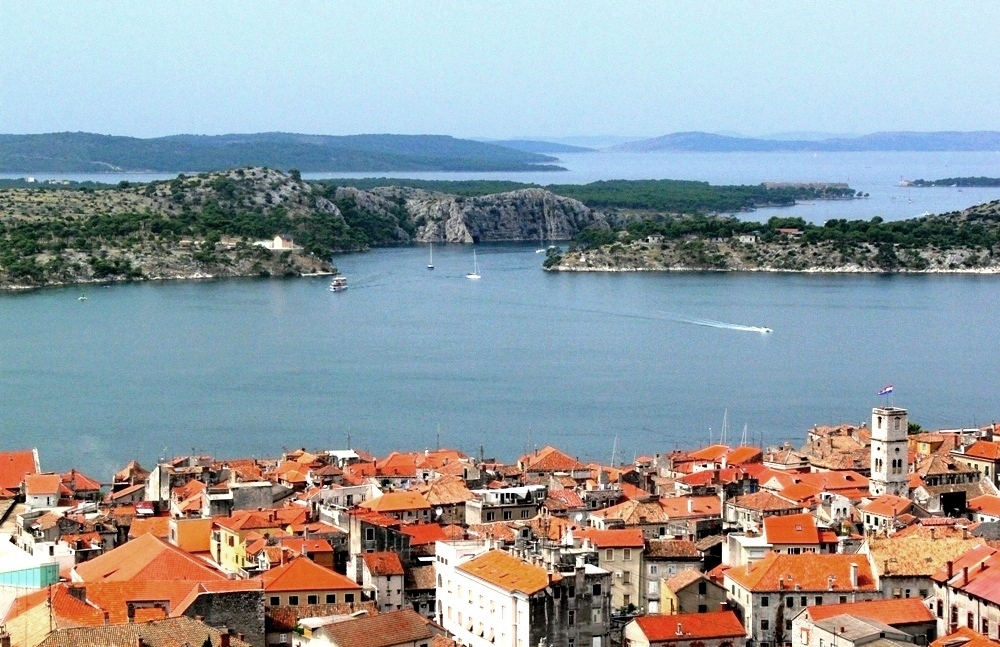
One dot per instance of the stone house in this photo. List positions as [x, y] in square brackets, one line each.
[382, 578]
[712, 629]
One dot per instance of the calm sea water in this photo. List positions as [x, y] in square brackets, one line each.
[407, 358]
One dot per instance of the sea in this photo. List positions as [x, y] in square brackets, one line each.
[604, 366]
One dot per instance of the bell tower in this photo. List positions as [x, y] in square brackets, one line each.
[890, 466]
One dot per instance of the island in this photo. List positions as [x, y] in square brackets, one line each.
[954, 182]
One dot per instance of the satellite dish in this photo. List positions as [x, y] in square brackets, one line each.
[438, 512]
[579, 517]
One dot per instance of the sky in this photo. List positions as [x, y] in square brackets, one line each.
[512, 69]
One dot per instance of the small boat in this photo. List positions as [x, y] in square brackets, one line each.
[765, 330]
[430, 261]
[82, 297]
[338, 284]
[475, 272]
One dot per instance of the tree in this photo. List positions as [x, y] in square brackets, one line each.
[295, 174]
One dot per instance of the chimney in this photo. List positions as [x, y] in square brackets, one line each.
[690, 505]
[951, 567]
[680, 630]
[854, 576]
[224, 640]
[107, 618]
[4, 639]
[130, 610]
[932, 533]
[965, 575]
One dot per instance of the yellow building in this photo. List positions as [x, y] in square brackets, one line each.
[230, 534]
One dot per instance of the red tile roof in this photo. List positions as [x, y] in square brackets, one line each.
[263, 519]
[810, 572]
[902, 611]
[156, 526]
[41, 484]
[700, 506]
[985, 449]
[986, 504]
[145, 558]
[15, 465]
[383, 563]
[764, 501]
[964, 637]
[619, 538]
[791, 529]
[691, 626]
[397, 501]
[550, 459]
[405, 626]
[303, 574]
[888, 505]
[79, 482]
[710, 453]
[423, 534]
[64, 606]
[507, 572]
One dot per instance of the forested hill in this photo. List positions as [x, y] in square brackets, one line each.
[91, 153]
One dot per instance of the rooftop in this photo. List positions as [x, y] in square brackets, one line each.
[508, 572]
[691, 626]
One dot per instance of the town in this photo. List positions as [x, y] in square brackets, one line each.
[874, 534]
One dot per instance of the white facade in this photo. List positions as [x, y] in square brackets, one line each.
[889, 463]
[477, 613]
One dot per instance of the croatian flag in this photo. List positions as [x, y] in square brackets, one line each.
[886, 390]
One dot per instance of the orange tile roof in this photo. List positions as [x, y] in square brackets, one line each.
[41, 483]
[902, 611]
[121, 494]
[145, 558]
[764, 501]
[744, 454]
[303, 574]
[964, 637]
[156, 526]
[800, 492]
[634, 513]
[618, 538]
[888, 505]
[685, 627]
[701, 506]
[263, 519]
[423, 534]
[15, 465]
[672, 548]
[164, 632]
[402, 627]
[630, 491]
[65, 607]
[79, 482]
[986, 504]
[710, 453]
[383, 563]
[984, 449]
[791, 529]
[810, 572]
[447, 490]
[397, 501]
[397, 464]
[508, 572]
[550, 459]
[306, 546]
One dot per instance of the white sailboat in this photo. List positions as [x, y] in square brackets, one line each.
[430, 261]
[475, 272]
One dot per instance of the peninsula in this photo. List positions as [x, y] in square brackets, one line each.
[963, 241]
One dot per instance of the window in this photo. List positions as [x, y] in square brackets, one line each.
[940, 609]
[954, 614]
[986, 627]
[229, 540]
[788, 625]
[312, 599]
[609, 554]
[508, 515]
[819, 600]
[790, 602]
[765, 600]
[702, 608]
[765, 624]
[627, 554]
[348, 598]
[524, 514]
[572, 616]
[802, 601]
[490, 516]
[572, 591]
[843, 599]
[969, 620]
[275, 601]
[626, 577]
[652, 569]
[369, 534]
[597, 590]
[331, 598]
[557, 593]
[702, 588]
[627, 599]
[293, 600]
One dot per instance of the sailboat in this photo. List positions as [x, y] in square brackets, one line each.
[475, 272]
[430, 261]
[541, 239]
[83, 297]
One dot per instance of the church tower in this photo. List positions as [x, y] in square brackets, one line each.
[890, 467]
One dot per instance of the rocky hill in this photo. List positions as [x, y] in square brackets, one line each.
[206, 226]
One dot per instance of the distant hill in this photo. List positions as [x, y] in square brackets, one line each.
[90, 153]
[887, 141]
[533, 146]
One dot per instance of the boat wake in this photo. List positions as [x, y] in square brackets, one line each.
[712, 323]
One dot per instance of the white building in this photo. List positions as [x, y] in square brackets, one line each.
[889, 462]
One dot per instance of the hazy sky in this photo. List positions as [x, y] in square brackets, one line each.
[498, 69]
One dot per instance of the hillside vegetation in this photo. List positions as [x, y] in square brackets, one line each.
[953, 242]
[90, 153]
